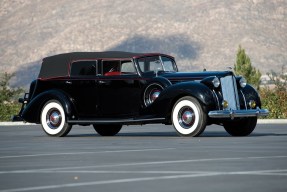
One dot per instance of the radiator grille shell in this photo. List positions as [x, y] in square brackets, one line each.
[230, 92]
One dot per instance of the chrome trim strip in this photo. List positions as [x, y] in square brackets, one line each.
[238, 113]
[161, 62]
[244, 99]
[216, 98]
[236, 92]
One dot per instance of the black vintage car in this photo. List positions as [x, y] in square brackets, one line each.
[111, 89]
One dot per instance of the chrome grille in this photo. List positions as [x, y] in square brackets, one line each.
[229, 92]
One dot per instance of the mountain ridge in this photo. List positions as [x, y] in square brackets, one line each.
[199, 33]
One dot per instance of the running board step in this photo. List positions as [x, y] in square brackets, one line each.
[116, 121]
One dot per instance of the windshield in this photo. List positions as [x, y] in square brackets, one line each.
[156, 63]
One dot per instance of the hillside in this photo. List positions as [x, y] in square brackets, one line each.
[199, 33]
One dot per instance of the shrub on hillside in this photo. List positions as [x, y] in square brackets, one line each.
[276, 99]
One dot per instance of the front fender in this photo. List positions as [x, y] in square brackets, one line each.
[32, 111]
[164, 103]
[251, 94]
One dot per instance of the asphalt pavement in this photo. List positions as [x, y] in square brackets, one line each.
[143, 158]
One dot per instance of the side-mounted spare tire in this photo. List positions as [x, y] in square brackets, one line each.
[53, 119]
[153, 89]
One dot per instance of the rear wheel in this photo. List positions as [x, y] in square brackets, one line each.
[107, 130]
[188, 117]
[242, 127]
[53, 119]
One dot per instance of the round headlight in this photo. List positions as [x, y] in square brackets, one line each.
[252, 104]
[242, 82]
[216, 82]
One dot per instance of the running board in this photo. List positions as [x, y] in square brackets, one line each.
[116, 121]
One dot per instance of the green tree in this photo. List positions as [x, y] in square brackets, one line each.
[8, 98]
[244, 68]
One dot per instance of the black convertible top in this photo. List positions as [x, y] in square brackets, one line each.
[58, 65]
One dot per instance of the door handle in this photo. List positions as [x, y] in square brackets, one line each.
[102, 82]
[68, 82]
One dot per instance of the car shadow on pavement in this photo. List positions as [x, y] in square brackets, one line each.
[173, 134]
[152, 134]
[267, 134]
[137, 134]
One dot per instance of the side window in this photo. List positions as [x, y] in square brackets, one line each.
[127, 67]
[150, 64]
[168, 64]
[111, 67]
[155, 64]
[84, 68]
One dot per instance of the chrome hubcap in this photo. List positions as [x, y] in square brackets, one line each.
[54, 118]
[152, 92]
[186, 117]
[154, 95]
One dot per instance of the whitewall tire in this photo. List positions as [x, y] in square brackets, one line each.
[188, 117]
[53, 119]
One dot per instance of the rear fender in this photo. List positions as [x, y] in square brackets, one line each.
[32, 111]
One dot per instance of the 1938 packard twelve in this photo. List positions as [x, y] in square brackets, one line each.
[111, 89]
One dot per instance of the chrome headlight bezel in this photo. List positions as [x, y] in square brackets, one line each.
[242, 82]
[216, 82]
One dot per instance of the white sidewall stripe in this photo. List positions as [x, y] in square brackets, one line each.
[176, 124]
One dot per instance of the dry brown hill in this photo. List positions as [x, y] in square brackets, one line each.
[199, 33]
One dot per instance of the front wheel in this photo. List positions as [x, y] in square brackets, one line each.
[188, 117]
[243, 127]
[53, 119]
[107, 130]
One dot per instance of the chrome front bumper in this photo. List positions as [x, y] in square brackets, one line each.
[238, 113]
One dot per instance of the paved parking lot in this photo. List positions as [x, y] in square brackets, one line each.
[143, 158]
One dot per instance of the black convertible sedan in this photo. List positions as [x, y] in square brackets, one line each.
[111, 89]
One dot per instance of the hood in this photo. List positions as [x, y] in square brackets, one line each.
[182, 76]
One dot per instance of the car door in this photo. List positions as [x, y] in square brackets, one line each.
[119, 88]
[82, 87]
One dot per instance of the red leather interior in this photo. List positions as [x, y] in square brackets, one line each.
[112, 73]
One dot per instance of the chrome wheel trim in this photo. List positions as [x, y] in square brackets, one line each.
[55, 126]
[53, 118]
[186, 117]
